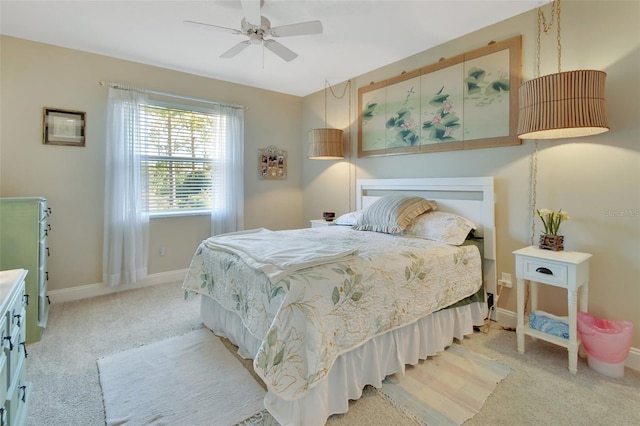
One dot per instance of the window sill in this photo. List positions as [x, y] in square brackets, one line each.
[160, 215]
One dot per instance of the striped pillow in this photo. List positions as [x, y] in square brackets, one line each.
[392, 214]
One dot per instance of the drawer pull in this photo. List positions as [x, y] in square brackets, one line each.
[18, 317]
[25, 297]
[24, 348]
[2, 423]
[23, 388]
[544, 270]
[10, 342]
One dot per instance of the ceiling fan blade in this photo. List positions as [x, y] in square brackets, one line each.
[284, 52]
[251, 9]
[302, 28]
[236, 49]
[213, 27]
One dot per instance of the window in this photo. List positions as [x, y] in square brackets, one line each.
[179, 149]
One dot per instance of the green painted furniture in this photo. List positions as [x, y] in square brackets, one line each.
[15, 391]
[24, 228]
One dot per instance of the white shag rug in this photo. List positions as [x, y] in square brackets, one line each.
[191, 380]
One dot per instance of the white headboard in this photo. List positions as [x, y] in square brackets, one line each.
[471, 197]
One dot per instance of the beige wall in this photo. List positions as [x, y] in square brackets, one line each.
[35, 75]
[594, 178]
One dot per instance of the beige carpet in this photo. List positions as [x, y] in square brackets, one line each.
[190, 380]
[447, 389]
[538, 391]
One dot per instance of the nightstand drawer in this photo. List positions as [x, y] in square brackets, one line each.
[545, 271]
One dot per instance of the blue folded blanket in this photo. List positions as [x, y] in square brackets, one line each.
[551, 324]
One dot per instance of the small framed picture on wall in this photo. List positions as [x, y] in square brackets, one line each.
[63, 127]
[272, 163]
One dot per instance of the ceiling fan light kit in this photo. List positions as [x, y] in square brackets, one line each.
[257, 33]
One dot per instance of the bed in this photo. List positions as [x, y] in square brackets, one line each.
[366, 304]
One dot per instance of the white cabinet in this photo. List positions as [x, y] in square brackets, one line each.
[24, 244]
[14, 390]
[564, 269]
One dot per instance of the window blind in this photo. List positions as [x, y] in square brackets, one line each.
[180, 148]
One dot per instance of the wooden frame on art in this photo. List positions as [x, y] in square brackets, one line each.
[63, 127]
[464, 102]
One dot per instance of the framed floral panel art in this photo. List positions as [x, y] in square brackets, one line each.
[464, 102]
[272, 163]
[63, 127]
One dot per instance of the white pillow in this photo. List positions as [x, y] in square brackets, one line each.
[447, 228]
[350, 218]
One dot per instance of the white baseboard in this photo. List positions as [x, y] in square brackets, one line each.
[93, 290]
[509, 319]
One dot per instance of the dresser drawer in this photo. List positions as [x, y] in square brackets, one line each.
[16, 402]
[44, 229]
[4, 375]
[43, 210]
[545, 271]
[15, 356]
[17, 314]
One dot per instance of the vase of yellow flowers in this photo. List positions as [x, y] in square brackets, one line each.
[551, 220]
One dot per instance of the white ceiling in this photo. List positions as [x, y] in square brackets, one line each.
[359, 35]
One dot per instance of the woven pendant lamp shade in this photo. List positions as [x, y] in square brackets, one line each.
[563, 105]
[325, 144]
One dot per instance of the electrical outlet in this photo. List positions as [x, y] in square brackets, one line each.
[162, 251]
[506, 280]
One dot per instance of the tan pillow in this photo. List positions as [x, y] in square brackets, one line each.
[447, 228]
[392, 214]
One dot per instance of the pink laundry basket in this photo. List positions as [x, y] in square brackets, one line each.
[607, 343]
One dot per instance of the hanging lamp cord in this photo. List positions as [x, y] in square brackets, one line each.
[347, 87]
[546, 27]
[543, 26]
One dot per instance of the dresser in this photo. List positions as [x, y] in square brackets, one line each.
[15, 392]
[24, 233]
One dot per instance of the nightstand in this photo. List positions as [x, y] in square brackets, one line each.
[321, 223]
[564, 269]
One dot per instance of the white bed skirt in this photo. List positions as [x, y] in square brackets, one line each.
[365, 365]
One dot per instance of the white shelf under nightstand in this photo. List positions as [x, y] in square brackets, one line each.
[564, 269]
[321, 223]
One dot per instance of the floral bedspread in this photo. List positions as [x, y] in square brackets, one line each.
[305, 321]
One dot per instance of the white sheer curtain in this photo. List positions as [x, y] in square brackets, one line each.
[126, 222]
[227, 214]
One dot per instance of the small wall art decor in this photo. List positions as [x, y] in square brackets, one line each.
[464, 102]
[63, 127]
[272, 163]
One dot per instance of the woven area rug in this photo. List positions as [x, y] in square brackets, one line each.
[446, 389]
[186, 380]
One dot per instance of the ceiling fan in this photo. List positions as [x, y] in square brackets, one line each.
[257, 28]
